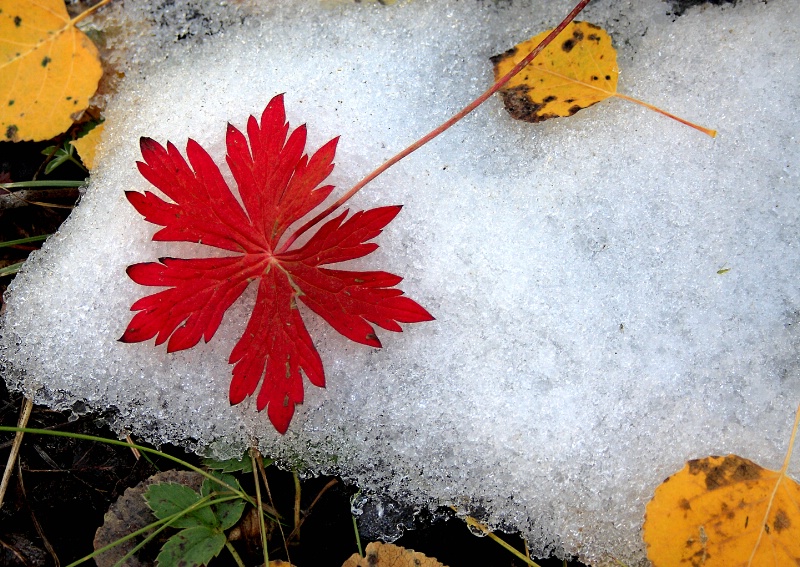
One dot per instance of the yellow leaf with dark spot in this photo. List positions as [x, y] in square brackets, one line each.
[87, 144]
[49, 69]
[725, 512]
[578, 69]
[388, 555]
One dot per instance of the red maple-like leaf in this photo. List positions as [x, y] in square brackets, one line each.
[278, 185]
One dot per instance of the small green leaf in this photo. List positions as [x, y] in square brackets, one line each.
[61, 155]
[210, 486]
[168, 498]
[228, 513]
[233, 465]
[191, 547]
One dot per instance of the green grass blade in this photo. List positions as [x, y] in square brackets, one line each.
[10, 270]
[24, 240]
[85, 437]
[26, 184]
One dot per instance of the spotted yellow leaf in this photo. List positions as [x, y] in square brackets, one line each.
[49, 69]
[725, 512]
[379, 554]
[578, 69]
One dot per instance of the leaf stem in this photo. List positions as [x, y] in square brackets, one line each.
[355, 524]
[782, 476]
[263, 472]
[88, 12]
[479, 526]
[296, 530]
[254, 454]
[434, 133]
[788, 458]
[703, 129]
[234, 554]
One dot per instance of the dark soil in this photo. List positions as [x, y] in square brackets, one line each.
[22, 162]
[62, 488]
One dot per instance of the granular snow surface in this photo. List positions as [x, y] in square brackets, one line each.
[614, 293]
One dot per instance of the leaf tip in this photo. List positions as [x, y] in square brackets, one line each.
[131, 335]
[275, 103]
[280, 415]
[371, 339]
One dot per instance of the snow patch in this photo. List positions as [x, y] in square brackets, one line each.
[585, 343]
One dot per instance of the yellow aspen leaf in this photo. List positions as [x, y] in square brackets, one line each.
[578, 69]
[379, 554]
[725, 512]
[49, 69]
[86, 146]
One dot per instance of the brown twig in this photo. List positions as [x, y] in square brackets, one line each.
[14, 551]
[263, 472]
[36, 524]
[297, 495]
[299, 521]
[24, 416]
[135, 451]
[26, 197]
